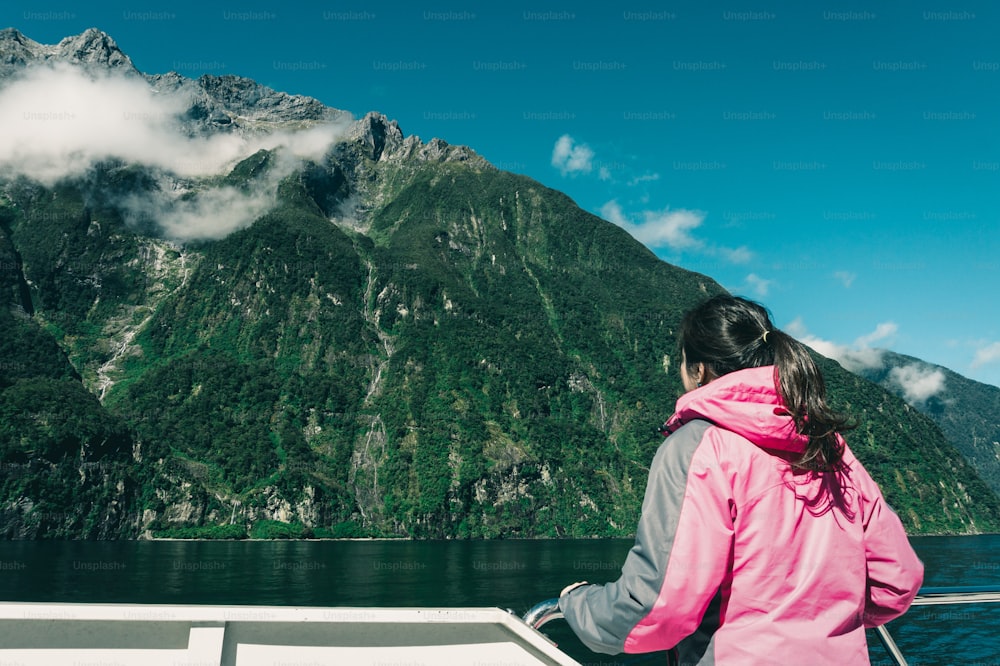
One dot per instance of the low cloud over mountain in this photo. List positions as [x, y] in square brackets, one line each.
[58, 120]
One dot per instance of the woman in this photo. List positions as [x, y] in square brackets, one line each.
[762, 539]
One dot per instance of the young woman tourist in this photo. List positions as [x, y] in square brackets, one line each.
[762, 539]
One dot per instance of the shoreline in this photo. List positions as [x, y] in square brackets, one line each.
[535, 538]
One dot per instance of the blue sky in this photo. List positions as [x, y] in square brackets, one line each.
[839, 163]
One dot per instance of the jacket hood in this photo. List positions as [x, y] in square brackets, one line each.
[745, 402]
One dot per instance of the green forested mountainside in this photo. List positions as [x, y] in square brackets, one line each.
[968, 412]
[481, 358]
[64, 461]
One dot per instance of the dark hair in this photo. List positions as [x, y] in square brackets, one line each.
[729, 333]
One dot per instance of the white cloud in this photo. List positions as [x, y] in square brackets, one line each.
[918, 383]
[736, 255]
[757, 285]
[57, 121]
[883, 331]
[645, 178]
[855, 357]
[571, 157]
[667, 228]
[671, 228]
[612, 212]
[846, 278]
[986, 354]
[207, 214]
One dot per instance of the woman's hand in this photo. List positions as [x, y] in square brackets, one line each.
[573, 586]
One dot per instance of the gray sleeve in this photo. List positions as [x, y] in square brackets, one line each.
[603, 615]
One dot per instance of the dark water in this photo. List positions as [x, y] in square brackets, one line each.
[508, 574]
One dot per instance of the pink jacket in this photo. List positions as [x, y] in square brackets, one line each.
[739, 559]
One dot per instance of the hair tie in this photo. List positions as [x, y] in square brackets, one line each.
[764, 337]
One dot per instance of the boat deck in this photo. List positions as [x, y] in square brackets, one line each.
[161, 635]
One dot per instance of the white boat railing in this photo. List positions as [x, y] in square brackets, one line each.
[934, 596]
[548, 610]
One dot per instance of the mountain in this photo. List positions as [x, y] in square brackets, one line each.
[91, 49]
[358, 334]
[967, 411]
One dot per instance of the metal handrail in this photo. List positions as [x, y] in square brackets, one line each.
[933, 596]
[547, 610]
[542, 612]
[967, 594]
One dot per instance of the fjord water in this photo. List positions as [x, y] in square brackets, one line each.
[509, 574]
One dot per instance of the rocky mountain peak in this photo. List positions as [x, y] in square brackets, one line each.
[384, 140]
[247, 97]
[90, 49]
[10, 36]
[93, 47]
[377, 132]
[16, 50]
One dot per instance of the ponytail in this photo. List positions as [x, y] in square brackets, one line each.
[728, 333]
[800, 383]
